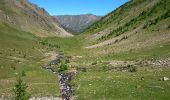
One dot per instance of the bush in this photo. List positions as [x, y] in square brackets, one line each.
[94, 63]
[24, 56]
[132, 68]
[143, 13]
[20, 90]
[43, 42]
[63, 67]
[13, 67]
[67, 61]
[105, 68]
[23, 73]
[169, 26]
[117, 34]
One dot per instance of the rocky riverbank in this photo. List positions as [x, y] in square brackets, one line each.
[64, 79]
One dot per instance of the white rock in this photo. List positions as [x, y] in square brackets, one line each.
[165, 78]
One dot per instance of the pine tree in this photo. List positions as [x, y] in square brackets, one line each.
[20, 90]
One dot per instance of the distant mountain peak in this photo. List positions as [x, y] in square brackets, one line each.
[77, 23]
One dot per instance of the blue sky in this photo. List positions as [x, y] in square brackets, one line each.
[76, 7]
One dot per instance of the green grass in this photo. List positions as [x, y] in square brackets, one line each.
[70, 45]
[147, 17]
[122, 85]
[154, 52]
[20, 51]
[35, 78]
[114, 17]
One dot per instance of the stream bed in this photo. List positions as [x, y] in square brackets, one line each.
[64, 77]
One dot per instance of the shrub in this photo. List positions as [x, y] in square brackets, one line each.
[23, 73]
[94, 63]
[63, 67]
[67, 61]
[57, 46]
[44, 42]
[169, 26]
[13, 67]
[20, 90]
[132, 68]
[24, 56]
[117, 34]
[105, 68]
[143, 13]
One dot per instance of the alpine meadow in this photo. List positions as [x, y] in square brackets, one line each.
[124, 55]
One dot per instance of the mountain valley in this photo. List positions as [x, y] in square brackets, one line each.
[124, 55]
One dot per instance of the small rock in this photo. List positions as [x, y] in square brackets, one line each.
[16, 73]
[142, 78]
[164, 78]
[82, 69]
[161, 46]
[138, 86]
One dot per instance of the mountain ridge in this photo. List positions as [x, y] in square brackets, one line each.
[77, 23]
[29, 17]
[130, 43]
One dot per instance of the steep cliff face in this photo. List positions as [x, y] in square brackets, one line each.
[28, 17]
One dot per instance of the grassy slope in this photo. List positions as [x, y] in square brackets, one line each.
[101, 84]
[30, 18]
[98, 83]
[151, 42]
[20, 52]
[116, 24]
[122, 85]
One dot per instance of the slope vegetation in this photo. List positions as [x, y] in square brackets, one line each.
[30, 18]
[21, 54]
[123, 56]
[130, 22]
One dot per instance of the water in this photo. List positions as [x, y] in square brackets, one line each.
[64, 78]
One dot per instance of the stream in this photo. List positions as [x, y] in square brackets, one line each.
[64, 78]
